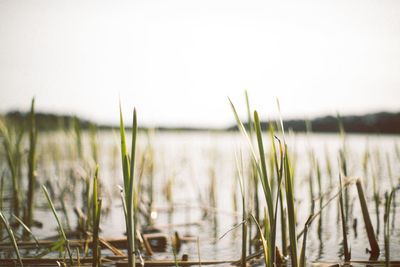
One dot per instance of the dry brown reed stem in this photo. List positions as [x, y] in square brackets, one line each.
[367, 220]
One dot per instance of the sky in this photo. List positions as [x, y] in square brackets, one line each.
[178, 61]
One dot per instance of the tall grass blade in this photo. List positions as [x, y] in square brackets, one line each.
[26, 228]
[96, 229]
[173, 245]
[347, 254]
[31, 167]
[60, 227]
[291, 209]
[387, 228]
[244, 214]
[265, 182]
[96, 211]
[267, 257]
[368, 225]
[13, 157]
[11, 235]
[304, 246]
[129, 188]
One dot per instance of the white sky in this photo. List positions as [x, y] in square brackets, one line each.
[177, 61]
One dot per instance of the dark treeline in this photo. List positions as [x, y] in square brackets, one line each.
[44, 121]
[383, 122]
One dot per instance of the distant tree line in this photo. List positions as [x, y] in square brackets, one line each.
[44, 121]
[382, 122]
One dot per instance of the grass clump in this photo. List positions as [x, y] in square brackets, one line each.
[130, 194]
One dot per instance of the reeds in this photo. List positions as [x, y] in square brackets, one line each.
[11, 235]
[347, 254]
[242, 184]
[128, 167]
[368, 225]
[272, 209]
[387, 227]
[96, 212]
[28, 218]
[63, 238]
[12, 148]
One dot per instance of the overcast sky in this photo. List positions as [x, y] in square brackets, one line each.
[177, 61]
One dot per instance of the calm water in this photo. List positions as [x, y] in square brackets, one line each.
[191, 162]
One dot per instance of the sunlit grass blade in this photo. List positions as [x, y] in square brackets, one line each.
[387, 228]
[96, 229]
[28, 218]
[241, 180]
[78, 136]
[267, 256]
[302, 262]
[11, 235]
[368, 225]
[266, 187]
[173, 246]
[265, 182]
[12, 154]
[291, 209]
[55, 246]
[61, 229]
[242, 129]
[129, 188]
[124, 153]
[347, 254]
[26, 228]
[96, 212]
[288, 170]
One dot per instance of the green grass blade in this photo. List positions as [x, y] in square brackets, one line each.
[133, 151]
[304, 246]
[386, 228]
[267, 188]
[11, 235]
[124, 153]
[96, 228]
[63, 236]
[56, 246]
[347, 255]
[267, 258]
[26, 228]
[174, 251]
[94, 195]
[28, 218]
[291, 210]
[244, 132]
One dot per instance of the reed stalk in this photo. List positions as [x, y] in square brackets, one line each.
[13, 155]
[291, 209]
[27, 230]
[63, 237]
[387, 227]
[96, 212]
[264, 243]
[240, 171]
[11, 235]
[302, 260]
[368, 225]
[78, 136]
[271, 214]
[128, 167]
[347, 254]
[173, 246]
[31, 167]
[93, 142]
